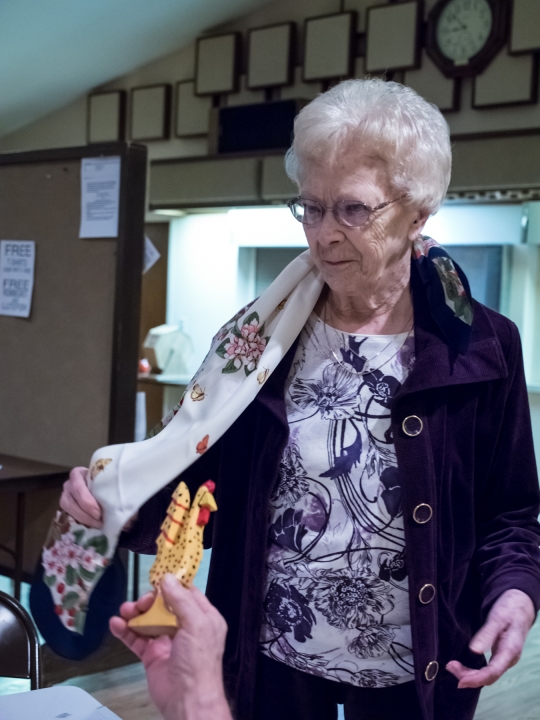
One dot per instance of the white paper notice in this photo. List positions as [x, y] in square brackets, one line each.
[100, 197]
[151, 254]
[17, 258]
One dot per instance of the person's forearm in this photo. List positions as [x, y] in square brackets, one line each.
[202, 706]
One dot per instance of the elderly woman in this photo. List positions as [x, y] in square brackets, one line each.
[378, 498]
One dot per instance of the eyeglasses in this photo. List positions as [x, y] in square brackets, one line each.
[350, 213]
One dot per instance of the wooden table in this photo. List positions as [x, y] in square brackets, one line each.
[21, 476]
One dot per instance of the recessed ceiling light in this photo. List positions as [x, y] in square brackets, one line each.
[172, 213]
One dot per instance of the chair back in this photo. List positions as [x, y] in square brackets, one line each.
[20, 651]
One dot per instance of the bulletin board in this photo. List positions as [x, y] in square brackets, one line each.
[68, 373]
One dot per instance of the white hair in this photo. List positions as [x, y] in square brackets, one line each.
[385, 120]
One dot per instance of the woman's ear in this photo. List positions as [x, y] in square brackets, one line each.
[417, 225]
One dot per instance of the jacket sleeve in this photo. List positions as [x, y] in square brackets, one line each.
[142, 536]
[508, 533]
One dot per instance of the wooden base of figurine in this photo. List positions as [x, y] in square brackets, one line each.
[158, 620]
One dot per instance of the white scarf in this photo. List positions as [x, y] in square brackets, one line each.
[123, 477]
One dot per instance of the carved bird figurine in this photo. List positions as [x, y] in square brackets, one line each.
[180, 551]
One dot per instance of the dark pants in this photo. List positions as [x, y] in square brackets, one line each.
[287, 694]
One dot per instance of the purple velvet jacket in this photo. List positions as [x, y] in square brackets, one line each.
[472, 463]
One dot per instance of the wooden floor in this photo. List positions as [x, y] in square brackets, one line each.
[124, 691]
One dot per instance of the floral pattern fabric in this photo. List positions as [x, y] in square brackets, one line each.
[74, 557]
[336, 599]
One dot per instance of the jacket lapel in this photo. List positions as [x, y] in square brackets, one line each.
[437, 363]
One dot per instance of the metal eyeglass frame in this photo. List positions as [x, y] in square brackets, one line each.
[324, 208]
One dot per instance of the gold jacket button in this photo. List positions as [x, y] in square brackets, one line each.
[430, 673]
[422, 513]
[427, 594]
[412, 425]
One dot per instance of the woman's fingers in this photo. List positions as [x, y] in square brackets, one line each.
[507, 649]
[469, 678]
[73, 508]
[487, 635]
[78, 501]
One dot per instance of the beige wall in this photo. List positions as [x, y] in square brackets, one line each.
[67, 126]
[63, 128]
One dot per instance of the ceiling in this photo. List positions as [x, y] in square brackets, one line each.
[52, 51]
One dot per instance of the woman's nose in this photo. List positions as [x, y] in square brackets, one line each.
[329, 231]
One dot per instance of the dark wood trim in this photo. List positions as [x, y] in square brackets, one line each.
[34, 483]
[122, 114]
[129, 265]
[69, 153]
[221, 156]
[511, 29]
[206, 207]
[350, 60]
[478, 62]
[533, 91]
[166, 126]
[417, 39]
[518, 132]
[290, 49]
[236, 62]
[495, 134]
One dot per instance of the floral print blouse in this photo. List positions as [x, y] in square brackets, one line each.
[336, 598]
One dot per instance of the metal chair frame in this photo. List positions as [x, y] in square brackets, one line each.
[34, 648]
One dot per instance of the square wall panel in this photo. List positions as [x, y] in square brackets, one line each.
[509, 80]
[525, 33]
[216, 64]
[106, 116]
[270, 56]
[150, 112]
[393, 37]
[328, 46]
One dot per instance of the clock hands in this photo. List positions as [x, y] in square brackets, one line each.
[455, 18]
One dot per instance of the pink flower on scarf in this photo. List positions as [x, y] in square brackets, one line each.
[243, 346]
[250, 346]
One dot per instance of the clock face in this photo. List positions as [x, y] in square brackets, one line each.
[463, 29]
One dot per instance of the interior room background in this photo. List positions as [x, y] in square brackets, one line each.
[222, 247]
[219, 220]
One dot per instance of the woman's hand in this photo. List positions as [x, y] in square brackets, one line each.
[504, 632]
[78, 501]
[184, 673]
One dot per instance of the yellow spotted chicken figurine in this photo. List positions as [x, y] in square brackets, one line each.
[179, 551]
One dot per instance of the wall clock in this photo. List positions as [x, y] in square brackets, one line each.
[463, 36]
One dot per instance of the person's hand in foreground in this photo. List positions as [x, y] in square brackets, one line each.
[504, 632]
[185, 672]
